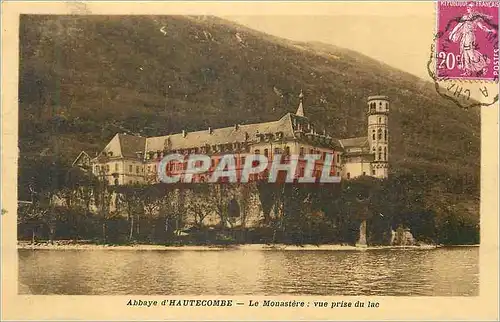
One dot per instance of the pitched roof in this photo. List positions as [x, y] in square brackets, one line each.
[355, 142]
[232, 134]
[81, 155]
[131, 144]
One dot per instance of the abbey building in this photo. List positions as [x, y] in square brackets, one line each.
[129, 159]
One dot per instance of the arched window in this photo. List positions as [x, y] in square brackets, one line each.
[348, 175]
[385, 135]
[373, 134]
[387, 106]
[385, 153]
[116, 182]
[380, 134]
[257, 151]
[266, 152]
[380, 153]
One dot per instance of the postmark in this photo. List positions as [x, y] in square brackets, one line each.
[464, 55]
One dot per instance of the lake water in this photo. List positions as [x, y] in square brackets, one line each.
[435, 272]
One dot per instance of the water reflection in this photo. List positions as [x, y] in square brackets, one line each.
[443, 272]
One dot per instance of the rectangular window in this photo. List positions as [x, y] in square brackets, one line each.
[242, 161]
[373, 172]
[107, 167]
[338, 158]
[266, 153]
[137, 169]
[301, 151]
[130, 168]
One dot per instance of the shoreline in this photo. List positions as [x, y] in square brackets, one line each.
[244, 247]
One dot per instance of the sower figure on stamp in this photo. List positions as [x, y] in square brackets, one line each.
[471, 59]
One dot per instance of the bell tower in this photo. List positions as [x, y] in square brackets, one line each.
[378, 134]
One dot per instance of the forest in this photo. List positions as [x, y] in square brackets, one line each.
[308, 214]
[82, 79]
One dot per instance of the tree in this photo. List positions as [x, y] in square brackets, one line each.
[218, 198]
[103, 196]
[130, 197]
[200, 207]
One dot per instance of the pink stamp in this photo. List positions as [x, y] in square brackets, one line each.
[467, 42]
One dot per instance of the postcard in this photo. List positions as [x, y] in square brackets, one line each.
[250, 160]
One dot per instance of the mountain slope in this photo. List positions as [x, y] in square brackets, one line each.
[84, 78]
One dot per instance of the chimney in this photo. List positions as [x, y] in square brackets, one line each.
[184, 133]
[236, 127]
[210, 130]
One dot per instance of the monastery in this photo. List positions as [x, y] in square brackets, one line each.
[129, 159]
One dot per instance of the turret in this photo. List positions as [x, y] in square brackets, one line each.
[378, 134]
[300, 109]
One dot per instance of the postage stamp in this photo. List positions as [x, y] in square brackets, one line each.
[467, 42]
